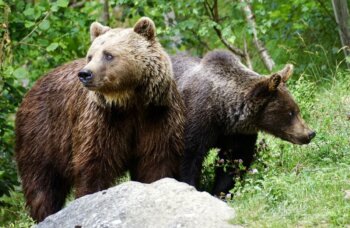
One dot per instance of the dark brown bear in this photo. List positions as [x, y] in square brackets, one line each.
[88, 122]
[227, 105]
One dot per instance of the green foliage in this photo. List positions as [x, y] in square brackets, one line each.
[292, 31]
[46, 35]
[10, 94]
[208, 171]
[13, 213]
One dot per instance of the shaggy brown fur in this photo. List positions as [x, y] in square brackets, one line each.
[226, 105]
[128, 116]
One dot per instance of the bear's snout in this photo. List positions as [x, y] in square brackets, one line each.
[306, 139]
[85, 76]
[312, 135]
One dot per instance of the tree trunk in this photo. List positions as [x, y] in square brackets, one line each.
[264, 55]
[105, 13]
[341, 13]
[170, 21]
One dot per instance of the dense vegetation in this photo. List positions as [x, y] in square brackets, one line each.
[291, 185]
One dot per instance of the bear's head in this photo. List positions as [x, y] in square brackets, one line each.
[279, 114]
[125, 65]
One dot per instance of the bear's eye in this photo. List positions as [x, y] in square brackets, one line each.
[89, 58]
[108, 56]
[291, 113]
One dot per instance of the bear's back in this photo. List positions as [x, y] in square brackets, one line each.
[48, 110]
[182, 63]
[216, 66]
[227, 66]
[56, 91]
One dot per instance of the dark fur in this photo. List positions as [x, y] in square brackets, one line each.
[66, 137]
[226, 105]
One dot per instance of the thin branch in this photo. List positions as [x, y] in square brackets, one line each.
[5, 41]
[264, 55]
[35, 28]
[204, 44]
[77, 4]
[247, 58]
[213, 14]
[232, 48]
[28, 44]
[208, 9]
[216, 11]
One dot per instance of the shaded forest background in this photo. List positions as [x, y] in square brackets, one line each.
[38, 35]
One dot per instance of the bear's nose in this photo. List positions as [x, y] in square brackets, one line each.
[85, 76]
[312, 135]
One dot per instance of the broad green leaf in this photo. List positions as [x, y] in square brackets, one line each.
[62, 3]
[203, 31]
[45, 25]
[347, 59]
[28, 12]
[20, 72]
[52, 47]
[54, 7]
[63, 45]
[29, 24]
[232, 39]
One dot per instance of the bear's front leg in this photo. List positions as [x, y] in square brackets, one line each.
[160, 144]
[236, 155]
[199, 138]
[192, 164]
[45, 191]
[93, 175]
[148, 170]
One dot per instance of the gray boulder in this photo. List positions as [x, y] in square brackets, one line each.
[164, 203]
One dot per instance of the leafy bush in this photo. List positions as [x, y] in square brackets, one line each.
[13, 213]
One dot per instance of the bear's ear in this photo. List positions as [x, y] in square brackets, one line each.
[274, 82]
[96, 29]
[265, 87]
[146, 28]
[286, 72]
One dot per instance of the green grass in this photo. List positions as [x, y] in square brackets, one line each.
[303, 185]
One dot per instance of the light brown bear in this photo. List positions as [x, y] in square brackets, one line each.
[88, 122]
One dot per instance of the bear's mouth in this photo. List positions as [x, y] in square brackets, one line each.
[301, 141]
[90, 86]
[298, 140]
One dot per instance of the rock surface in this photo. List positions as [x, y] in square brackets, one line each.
[164, 203]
